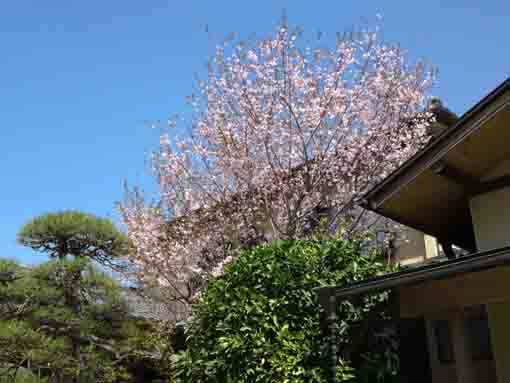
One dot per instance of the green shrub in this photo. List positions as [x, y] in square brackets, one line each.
[261, 321]
[22, 376]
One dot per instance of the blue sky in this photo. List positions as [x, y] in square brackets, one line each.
[79, 79]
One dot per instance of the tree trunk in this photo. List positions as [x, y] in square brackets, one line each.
[71, 286]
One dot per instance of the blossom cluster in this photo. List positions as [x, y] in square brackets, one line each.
[277, 131]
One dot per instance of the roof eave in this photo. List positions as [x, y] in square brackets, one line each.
[442, 270]
[373, 198]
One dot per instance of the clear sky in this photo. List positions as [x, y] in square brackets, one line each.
[78, 80]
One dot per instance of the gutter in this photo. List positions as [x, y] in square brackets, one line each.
[469, 263]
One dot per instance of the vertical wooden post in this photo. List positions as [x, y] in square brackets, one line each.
[499, 317]
[327, 300]
[332, 335]
[461, 349]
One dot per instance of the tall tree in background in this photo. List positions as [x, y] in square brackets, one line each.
[74, 239]
[39, 329]
[75, 234]
[279, 131]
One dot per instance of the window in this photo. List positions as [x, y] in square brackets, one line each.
[443, 341]
[477, 329]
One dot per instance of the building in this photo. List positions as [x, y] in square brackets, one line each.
[454, 308]
[149, 305]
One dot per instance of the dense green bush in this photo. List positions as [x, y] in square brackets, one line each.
[22, 376]
[261, 321]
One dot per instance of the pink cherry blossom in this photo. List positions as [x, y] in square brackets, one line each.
[277, 130]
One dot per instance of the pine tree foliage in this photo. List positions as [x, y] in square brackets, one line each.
[73, 233]
[67, 319]
[42, 332]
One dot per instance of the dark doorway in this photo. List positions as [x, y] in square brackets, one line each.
[413, 351]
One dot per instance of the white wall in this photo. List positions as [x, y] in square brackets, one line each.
[491, 219]
[415, 247]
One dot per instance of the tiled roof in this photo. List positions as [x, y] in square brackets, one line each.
[143, 306]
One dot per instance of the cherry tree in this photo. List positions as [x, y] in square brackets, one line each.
[279, 132]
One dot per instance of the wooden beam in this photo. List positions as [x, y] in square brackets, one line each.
[495, 184]
[471, 185]
[463, 362]
[328, 301]
[469, 123]
[434, 271]
[458, 177]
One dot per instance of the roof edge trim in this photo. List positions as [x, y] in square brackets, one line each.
[441, 270]
[388, 187]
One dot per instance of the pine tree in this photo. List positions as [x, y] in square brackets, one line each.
[66, 319]
[40, 330]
